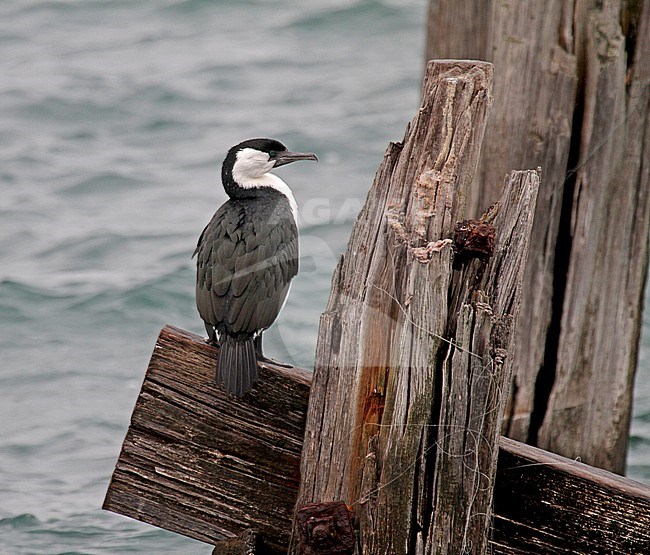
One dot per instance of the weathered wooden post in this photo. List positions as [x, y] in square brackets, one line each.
[413, 356]
[572, 90]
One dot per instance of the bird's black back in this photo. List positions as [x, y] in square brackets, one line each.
[246, 258]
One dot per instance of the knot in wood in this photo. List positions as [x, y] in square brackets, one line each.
[474, 239]
[325, 528]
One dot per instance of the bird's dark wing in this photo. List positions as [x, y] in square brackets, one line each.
[245, 263]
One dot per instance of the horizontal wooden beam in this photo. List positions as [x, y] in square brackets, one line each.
[209, 466]
[201, 463]
[546, 503]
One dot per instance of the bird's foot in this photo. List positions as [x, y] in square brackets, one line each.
[259, 354]
[266, 360]
[211, 339]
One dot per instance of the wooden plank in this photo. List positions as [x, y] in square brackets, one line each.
[545, 503]
[200, 463]
[186, 478]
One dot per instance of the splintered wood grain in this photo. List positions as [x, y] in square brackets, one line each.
[572, 96]
[589, 407]
[375, 373]
[535, 87]
[407, 398]
[201, 463]
[476, 374]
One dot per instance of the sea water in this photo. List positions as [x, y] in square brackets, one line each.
[114, 119]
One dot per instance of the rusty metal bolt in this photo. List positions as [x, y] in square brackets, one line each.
[325, 529]
[474, 239]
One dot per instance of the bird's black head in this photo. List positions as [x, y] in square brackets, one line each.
[248, 164]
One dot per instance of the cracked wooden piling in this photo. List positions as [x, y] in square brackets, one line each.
[433, 344]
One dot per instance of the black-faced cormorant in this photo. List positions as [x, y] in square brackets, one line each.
[246, 258]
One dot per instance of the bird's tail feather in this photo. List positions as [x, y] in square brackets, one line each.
[237, 366]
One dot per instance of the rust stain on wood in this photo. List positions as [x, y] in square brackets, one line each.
[369, 418]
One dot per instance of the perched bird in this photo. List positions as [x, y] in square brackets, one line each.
[246, 258]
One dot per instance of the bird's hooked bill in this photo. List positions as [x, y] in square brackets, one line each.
[287, 157]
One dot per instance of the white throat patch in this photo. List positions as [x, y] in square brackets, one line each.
[251, 171]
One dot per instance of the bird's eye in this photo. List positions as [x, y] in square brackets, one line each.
[272, 153]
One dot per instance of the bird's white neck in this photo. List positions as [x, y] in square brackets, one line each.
[251, 170]
[270, 181]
